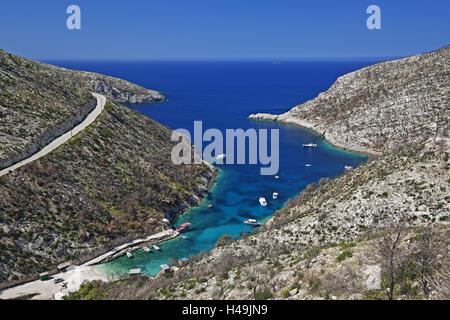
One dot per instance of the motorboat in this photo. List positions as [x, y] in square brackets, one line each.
[252, 222]
[184, 227]
[262, 201]
[309, 145]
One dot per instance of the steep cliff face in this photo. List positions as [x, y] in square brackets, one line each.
[380, 107]
[40, 101]
[112, 182]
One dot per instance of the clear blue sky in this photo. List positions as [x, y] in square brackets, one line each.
[216, 29]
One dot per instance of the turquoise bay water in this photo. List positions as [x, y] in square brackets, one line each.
[222, 95]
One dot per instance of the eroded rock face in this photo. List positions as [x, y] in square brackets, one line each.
[121, 91]
[380, 107]
[372, 276]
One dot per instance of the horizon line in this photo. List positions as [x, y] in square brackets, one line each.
[274, 59]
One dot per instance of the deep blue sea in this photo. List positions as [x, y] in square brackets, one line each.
[222, 95]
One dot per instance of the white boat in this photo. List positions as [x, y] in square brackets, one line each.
[348, 168]
[221, 156]
[129, 255]
[308, 165]
[275, 195]
[146, 249]
[277, 177]
[156, 247]
[183, 236]
[309, 145]
[252, 222]
[262, 201]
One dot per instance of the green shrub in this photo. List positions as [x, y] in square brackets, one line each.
[344, 255]
[314, 286]
[263, 295]
[198, 291]
[88, 291]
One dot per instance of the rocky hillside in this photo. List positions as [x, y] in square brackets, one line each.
[40, 101]
[322, 244]
[330, 241]
[112, 182]
[380, 107]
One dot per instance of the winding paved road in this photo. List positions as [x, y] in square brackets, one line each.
[101, 100]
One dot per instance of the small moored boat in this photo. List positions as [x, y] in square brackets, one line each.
[146, 249]
[156, 247]
[308, 165]
[275, 195]
[184, 226]
[309, 145]
[262, 201]
[183, 237]
[348, 168]
[252, 222]
[129, 255]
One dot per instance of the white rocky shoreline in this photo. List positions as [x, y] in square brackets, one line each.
[287, 118]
